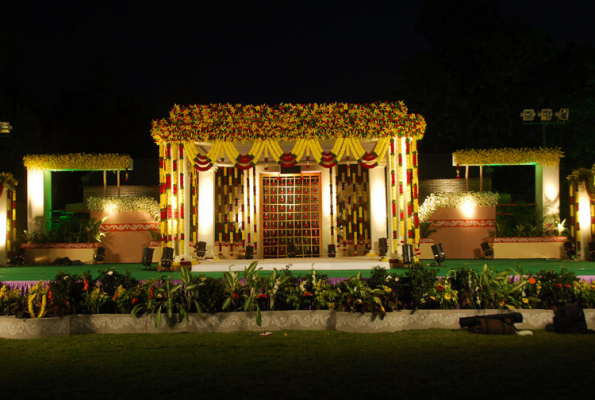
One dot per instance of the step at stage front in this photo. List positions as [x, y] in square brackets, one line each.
[295, 264]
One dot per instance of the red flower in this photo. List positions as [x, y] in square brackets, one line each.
[86, 284]
[50, 295]
[115, 296]
[261, 296]
[567, 286]
[308, 294]
[532, 281]
[235, 296]
[151, 292]
[559, 285]
[440, 288]
[135, 300]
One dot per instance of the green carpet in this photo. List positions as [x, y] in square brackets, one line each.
[34, 273]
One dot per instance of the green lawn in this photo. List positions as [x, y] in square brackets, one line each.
[426, 364]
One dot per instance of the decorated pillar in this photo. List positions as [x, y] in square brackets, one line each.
[547, 190]
[39, 200]
[206, 214]
[378, 210]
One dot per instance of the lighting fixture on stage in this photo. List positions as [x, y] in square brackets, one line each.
[249, 252]
[332, 250]
[487, 250]
[569, 249]
[407, 254]
[167, 258]
[591, 251]
[383, 246]
[291, 250]
[99, 255]
[438, 253]
[201, 249]
[147, 259]
[18, 258]
[528, 115]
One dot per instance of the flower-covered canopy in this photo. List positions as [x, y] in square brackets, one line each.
[287, 122]
[548, 156]
[77, 162]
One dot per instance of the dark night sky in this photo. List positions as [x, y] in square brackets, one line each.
[332, 51]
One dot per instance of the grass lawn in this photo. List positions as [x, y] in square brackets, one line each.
[428, 364]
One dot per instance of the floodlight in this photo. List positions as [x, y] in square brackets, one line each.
[147, 258]
[249, 252]
[438, 253]
[99, 256]
[563, 114]
[167, 258]
[407, 254]
[528, 115]
[382, 246]
[5, 129]
[487, 250]
[201, 249]
[546, 114]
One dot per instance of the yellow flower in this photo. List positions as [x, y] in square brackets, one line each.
[447, 296]
[525, 300]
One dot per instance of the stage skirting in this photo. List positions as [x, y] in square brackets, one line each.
[295, 264]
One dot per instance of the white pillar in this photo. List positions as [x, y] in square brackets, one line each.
[3, 227]
[547, 190]
[378, 208]
[39, 200]
[206, 210]
[584, 219]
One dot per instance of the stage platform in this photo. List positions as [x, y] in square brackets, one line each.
[294, 264]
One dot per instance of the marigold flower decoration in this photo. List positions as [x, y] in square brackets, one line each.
[287, 122]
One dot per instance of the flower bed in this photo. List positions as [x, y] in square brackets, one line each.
[116, 302]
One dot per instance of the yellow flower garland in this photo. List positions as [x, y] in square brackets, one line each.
[287, 122]
[77, 161]
[548, 157]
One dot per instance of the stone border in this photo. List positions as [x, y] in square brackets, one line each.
[13, 328]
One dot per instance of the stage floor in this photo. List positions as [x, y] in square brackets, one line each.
[294, 264]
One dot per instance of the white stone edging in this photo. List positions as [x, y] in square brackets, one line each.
[14, 328]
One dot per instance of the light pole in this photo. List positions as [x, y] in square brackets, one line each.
[5, 129]
[545, 118]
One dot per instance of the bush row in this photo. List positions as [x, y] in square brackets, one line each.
[384, 291]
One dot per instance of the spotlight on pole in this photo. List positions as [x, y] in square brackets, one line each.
[5, 129]
[528, 115]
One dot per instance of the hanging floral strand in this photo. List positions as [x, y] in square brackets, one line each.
[182, 222]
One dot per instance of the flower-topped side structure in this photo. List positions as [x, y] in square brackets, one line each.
[77, 162]
[196, 140]
[39, 179]
[8, 214]
[547, 170]
[582, 210]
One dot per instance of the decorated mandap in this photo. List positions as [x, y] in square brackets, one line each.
[289, 179]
